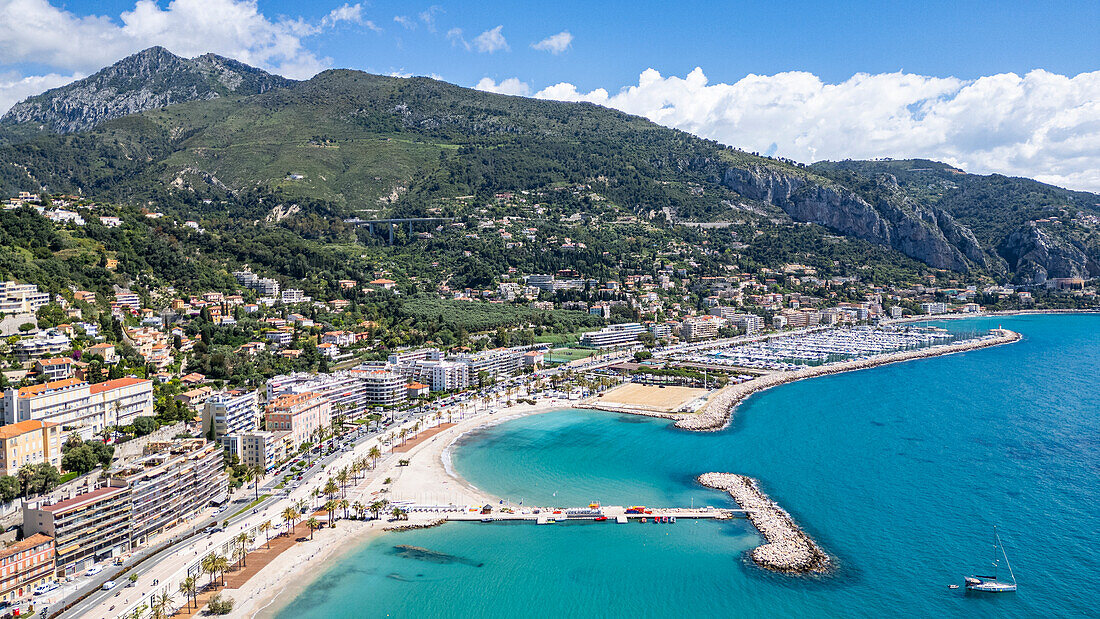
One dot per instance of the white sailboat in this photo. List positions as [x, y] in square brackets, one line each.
[991, 584]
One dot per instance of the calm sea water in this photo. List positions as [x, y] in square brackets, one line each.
[900, 472]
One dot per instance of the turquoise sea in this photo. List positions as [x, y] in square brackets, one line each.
[900, 472]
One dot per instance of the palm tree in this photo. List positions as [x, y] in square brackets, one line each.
[242, 541]
[316, 492]
[222, 565]
[264, 527]
[258, 475]
[189, 589]
[209, 565]
[343, 504]
[161, 603]
[289, 515]
[313, 525]
[403, 433]
[330, 507]
[400, 514]
[358, 508]
[378, 506]
[342, 477]
[375, 453]
[330, 488]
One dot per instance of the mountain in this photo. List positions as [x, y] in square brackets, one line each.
[147, 80]
[370, 146]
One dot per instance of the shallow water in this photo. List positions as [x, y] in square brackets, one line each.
[899, 472]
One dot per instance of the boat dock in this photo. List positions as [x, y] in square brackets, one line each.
[612, 513]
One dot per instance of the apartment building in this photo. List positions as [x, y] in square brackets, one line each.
[56, 368]
[107, 351]
[613, 335]
[351, 392]
[496, 362]
[125, 298]
[50, 342]
[300, 414]
[294, 295]
[172, 481]
[697, 328]
[86, 528]
[29, 442]
[439, 375]
[266, 287]
[409, 356]
[750, 324]
[79, 406]
[16, 298]
[258, 447]
[25, 564]
[230, 412]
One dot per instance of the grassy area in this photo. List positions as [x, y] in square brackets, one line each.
[71, 475]
[560, 339]
[563, 355]
[249, 506]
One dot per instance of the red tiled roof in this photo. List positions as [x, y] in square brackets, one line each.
[118, 383]
[22, 427]
[81, 499]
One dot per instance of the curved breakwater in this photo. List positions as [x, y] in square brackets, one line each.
[716, 414]
[789, 549]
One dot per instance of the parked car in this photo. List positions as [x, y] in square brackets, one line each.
[92, 571]
[107, 586]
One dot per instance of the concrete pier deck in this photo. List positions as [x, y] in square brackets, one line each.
[546, 515]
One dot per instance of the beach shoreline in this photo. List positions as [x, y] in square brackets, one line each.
[718, 411]
[275, 587]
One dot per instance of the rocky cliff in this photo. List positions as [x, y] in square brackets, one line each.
[1036, 255]
[149, 79]
[918, 231]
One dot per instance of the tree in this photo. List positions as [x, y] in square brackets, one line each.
[289, 515]
[399, 514]
[160, 604]
[313, 525]
[375, 453]
[189, 590]
[264, 528]
[144, 426]
[220, 605]
[209, 565]
[330, 507]
[9, 488]
[377, 506]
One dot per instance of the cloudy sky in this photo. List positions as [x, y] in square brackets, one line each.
[1009, 87]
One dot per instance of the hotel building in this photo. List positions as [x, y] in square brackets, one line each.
[299, 414]
[25, 564]
[613, 335]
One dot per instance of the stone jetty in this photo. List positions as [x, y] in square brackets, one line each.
[789, 550]
[716, 414]
[415, 526]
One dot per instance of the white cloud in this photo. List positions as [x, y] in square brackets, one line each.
[351, 13]
[510, 86]
[555, 44]
[428, 16]
[36, 31]
[404, 21]
[1041, 125]
[14, 88]
[491, 41]
[454, 35]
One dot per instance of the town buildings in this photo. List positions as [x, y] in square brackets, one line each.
[259, 447]
[79, 406]
[25, 564]
[29, 442]
[613, 335]
[230, 412]
[86, 528]
[300, 414]
[172, 481]
[16, 298]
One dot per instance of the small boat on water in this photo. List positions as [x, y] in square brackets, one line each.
[486, 519]
[601, 518]
[991, 584]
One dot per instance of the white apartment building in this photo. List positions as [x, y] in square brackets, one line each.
[230, 412]
[750, 324]
[78, 406]
[496, 362]
[351, 392]
[402, 357]
[125, 298]
[698, 328]
[613, 335]
[16, 298]
[933, 308]
[257, 447]
[293, 295]
[439, 375]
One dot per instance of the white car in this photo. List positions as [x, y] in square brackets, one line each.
[107, 586]
[92, 571]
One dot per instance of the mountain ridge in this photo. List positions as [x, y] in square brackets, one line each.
[391, 146]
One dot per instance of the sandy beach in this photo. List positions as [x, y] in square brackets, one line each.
[426, 480]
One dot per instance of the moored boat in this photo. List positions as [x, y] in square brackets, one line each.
[992, 584]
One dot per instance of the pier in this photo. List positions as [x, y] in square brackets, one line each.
[550, 515]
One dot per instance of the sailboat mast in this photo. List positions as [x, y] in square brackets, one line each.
[1005, 555]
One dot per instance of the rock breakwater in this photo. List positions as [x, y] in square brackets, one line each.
[789, 550]
[415, 526]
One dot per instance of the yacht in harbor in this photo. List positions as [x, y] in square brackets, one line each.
[991, 584]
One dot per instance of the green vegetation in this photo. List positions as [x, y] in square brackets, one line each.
[81, 457]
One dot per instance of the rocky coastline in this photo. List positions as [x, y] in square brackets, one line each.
[788, 549]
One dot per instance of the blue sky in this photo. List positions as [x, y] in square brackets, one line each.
[1011, 87]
